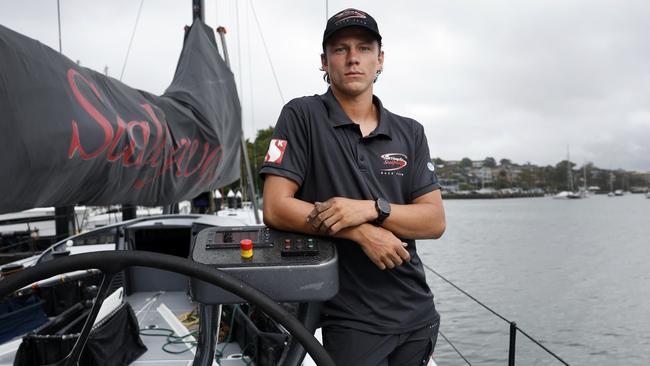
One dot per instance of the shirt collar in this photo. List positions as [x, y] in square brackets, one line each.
[338, 117]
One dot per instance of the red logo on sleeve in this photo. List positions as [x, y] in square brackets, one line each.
[276, 151]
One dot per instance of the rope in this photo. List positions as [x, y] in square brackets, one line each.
[266, 50]
[454, 347]
[495, 313]
[466, 294]
[126, 58]
[21, 242]
[241, 84]
[171, 338]
[219, 353]
[250, 97]
[542, 346]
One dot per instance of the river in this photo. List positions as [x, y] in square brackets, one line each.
[574, 274]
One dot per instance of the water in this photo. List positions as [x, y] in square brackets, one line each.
[573, 274]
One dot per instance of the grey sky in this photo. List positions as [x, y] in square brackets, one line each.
[508, 79]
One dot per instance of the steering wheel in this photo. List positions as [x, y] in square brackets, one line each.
[112, 262]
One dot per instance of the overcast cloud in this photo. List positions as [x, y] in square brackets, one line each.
[508, 79]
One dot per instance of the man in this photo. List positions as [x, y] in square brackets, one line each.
[342, 165]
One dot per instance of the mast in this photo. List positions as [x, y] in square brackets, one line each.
[64, 216]
[611, 182]
[251, 190]
[58, 13]
[198, 10]
[568, 168]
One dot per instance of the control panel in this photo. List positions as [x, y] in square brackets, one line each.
[286, 266]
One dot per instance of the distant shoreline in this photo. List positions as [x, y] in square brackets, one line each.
[494, 195]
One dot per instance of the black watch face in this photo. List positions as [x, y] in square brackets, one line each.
[383, 206]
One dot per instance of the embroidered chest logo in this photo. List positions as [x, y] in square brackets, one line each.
[394, 164]
[276, 151]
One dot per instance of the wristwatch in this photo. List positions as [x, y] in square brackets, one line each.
[383, 210]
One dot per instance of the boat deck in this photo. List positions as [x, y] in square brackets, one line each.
[158, 310]
[161, 310]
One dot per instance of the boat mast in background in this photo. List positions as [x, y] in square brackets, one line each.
[58, 14]
[198, 11]
[569, 170]
[64, 217]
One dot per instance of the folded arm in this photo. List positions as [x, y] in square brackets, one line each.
[422, 219]
[285, 212]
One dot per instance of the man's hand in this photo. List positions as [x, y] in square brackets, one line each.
[338, 213]
[381, 246]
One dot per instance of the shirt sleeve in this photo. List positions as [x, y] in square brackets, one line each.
[424, 178]
[288, 151]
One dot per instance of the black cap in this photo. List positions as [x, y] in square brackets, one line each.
[351, 18]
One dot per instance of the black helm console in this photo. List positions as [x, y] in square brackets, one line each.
[288, 267]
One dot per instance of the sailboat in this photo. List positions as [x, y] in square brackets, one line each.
[148, 287]
[570, 194]
[611, 187]
[157, 150]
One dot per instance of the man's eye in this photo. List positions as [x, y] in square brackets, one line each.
[339, 50]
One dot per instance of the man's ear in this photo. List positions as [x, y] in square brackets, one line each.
[323, 62]
[380, 60]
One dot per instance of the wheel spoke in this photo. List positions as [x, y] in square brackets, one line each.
[72, 359]
[111, 262]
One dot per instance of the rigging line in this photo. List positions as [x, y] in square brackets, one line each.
[497, 314]
[466, 294]
[58, 12]
[250, 73]
[454, 347]
[266, 50]
[241, 85]
[250, 96]
[128, 50]
[543, 347]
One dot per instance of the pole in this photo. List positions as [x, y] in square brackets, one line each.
[251, 191]
[129, 212]
[513, 344]
[327, 10]
[58, 12]
[198, 10]
[64, 221]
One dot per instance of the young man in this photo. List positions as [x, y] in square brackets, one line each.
[341, 165]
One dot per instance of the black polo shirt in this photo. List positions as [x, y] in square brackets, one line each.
[318, 146]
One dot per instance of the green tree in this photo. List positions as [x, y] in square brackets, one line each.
[505, 162]
[561, 179]
[256, 153]
[466, 163]
[262, 141]
[502, 180]
[490, 162]
[527, 179]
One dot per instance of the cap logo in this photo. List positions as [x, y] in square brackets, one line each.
[276, 151]
[346, 15]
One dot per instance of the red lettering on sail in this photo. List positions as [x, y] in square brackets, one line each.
[130, 145]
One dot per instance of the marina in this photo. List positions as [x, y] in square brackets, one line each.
[571, 273]
[527, 281]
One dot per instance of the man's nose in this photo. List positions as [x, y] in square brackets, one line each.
[353, 57]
